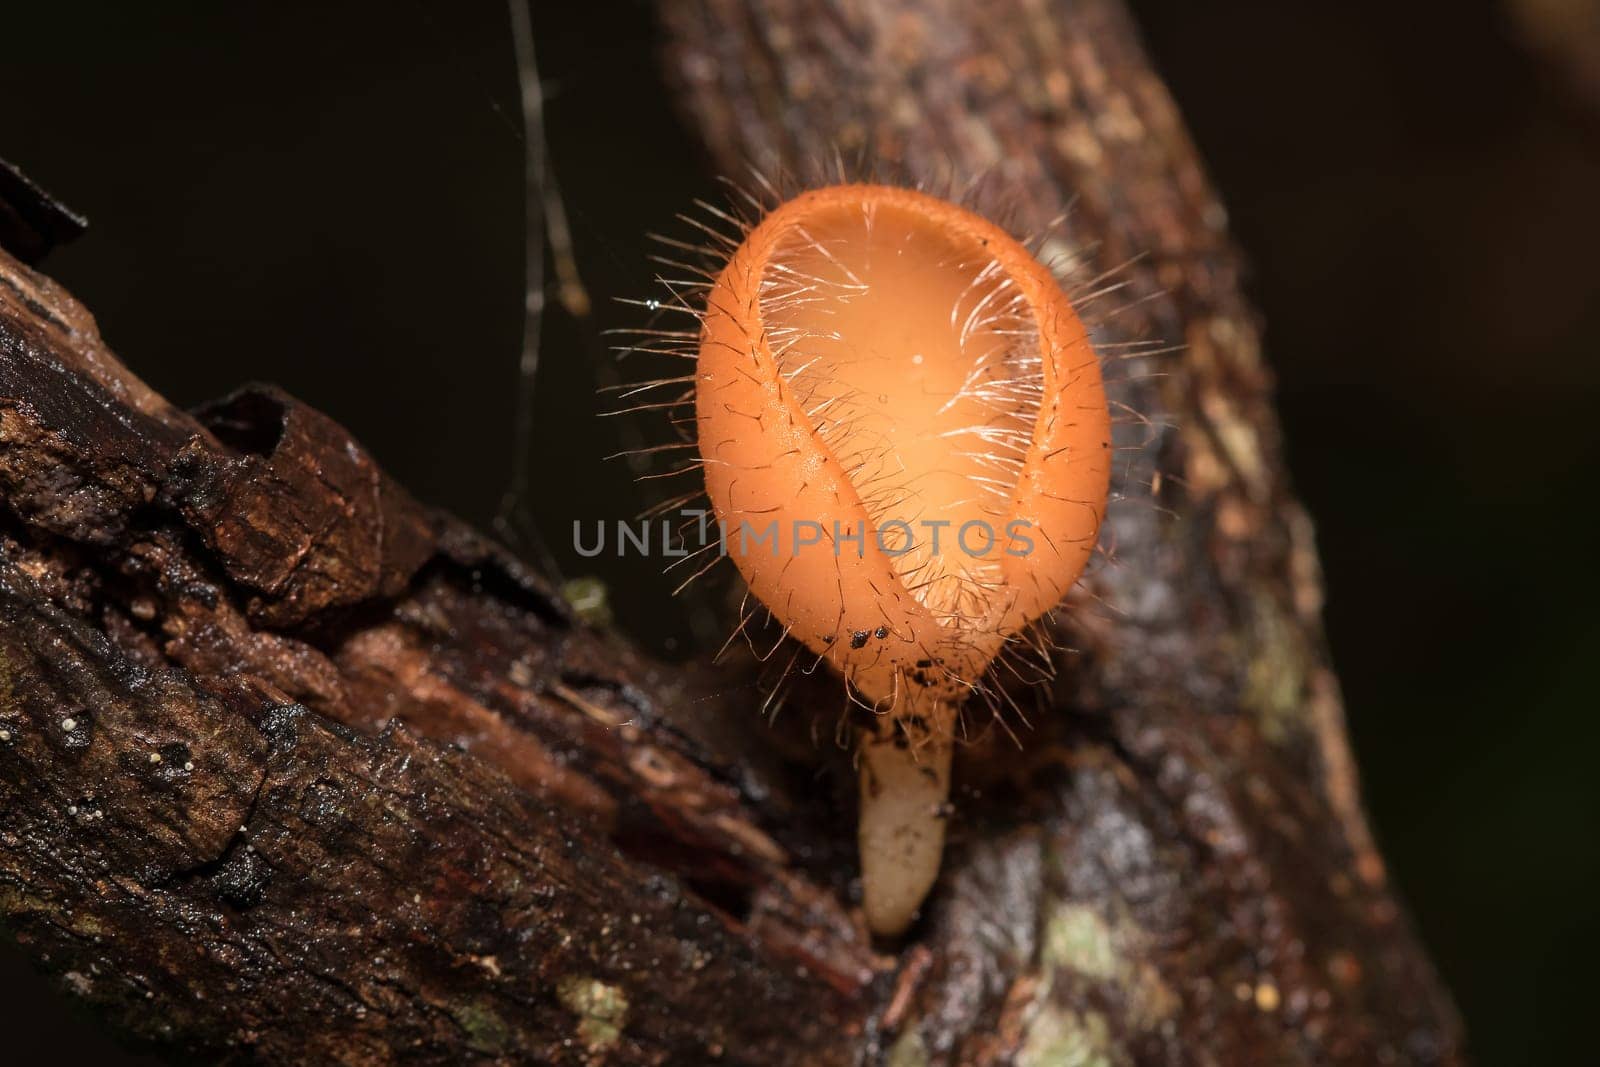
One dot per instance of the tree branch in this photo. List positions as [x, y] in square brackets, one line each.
[239, 667]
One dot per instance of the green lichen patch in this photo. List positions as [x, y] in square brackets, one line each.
[1078, 939]
[908, 1050]
[1080, 943]
[1275, 679]
[1066, 1039]
[485, 1030]
[589, 600]
[602, 1009]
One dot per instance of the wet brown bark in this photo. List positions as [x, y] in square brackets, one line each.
[292, 766]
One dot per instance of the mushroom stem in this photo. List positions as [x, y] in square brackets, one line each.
[905, 784]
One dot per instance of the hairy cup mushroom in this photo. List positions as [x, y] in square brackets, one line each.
[906, 440]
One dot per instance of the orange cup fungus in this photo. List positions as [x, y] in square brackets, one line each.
[906, 441]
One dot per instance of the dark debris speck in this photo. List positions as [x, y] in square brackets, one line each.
[243, 878]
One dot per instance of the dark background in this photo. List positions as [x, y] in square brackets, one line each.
[332, 200]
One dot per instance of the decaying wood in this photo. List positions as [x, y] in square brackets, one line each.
[32, 222]
[292, 766]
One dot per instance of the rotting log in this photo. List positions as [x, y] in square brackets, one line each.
[293, 767]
